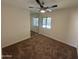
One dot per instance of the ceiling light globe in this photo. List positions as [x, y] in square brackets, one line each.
[42, 11]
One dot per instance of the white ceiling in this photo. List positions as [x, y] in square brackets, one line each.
[26, 3]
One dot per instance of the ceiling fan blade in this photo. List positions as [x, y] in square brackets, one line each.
[31, 7]
[54, 6]
[51, 7]
[39, 3]
[34, 7]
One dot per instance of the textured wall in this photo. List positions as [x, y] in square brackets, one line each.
[15, 24]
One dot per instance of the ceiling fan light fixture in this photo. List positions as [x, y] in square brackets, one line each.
[42, 11]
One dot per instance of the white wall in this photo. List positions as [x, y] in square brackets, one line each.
[15, 24]
[59, 25]
[73, 28]
[64, 26]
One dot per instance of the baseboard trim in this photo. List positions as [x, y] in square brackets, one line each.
[15, 43]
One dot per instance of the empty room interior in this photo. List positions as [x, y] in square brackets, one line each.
[39, 29]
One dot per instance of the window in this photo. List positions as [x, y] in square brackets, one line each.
[46, 22]
[35, 21]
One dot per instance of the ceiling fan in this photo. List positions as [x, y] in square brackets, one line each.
[42, 8]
